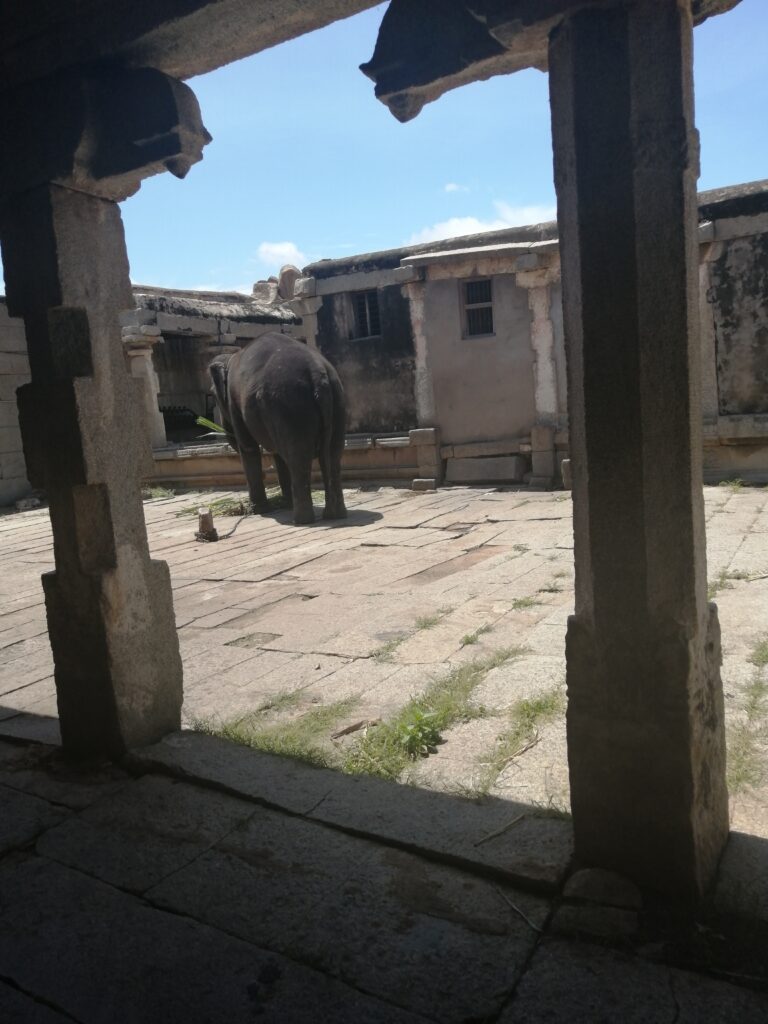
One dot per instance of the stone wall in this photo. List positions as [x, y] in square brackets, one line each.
[377, 372]
[14, 371]
[738, 290]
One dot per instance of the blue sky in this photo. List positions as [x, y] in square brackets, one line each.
[306, 163]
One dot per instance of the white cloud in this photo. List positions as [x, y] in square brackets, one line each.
[453, 187]
[507, 217]
[276, 254]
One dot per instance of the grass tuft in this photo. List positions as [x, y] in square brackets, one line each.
[149, 493]
[525, 719]
[300, 738]
[417, 728]
[472, 638]
[734, 486]
[521, 603]
[759, 655]
[428, 621]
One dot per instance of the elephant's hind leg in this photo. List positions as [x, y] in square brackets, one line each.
[254, 475]
[330, 466]
[284, 476]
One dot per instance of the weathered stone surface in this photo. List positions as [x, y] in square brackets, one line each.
[486, 470]
[742, 881]
[424, 484]
[406, 923]
[570, 983]
[37, 770]
[133, 963]
[643, 650]
[23, 817]
[17, 1008]
[152, 828]
[278, 781]
[593, 885]
[266, 291]
[286, 281]
[596, 922]
[424, 435]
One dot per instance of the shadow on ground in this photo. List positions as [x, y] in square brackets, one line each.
[201, 881]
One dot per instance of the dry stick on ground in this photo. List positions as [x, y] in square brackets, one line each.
[518, 911]
[500, 831]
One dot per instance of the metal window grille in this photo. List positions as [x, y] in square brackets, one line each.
[366, 309]
[478, 308]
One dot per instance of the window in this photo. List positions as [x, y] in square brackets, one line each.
[365, 308]
[477, 307]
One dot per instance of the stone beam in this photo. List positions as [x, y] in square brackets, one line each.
[179, 37]
[427, 47]
[109, 605]
[646, 743]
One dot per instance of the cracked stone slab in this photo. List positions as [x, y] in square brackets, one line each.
[529, 847]
[150, 829]
[577, 983]
[23, 817]
[39, 771]
[535, 849]
[134, 964]
[278, 781]
[383, 920]
[18, 1008]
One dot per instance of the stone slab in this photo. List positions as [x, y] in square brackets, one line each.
[152, 828]
[134, 964]
[574, 983]
[40, 771]
[486, 470]
[406, 923]
[742, 880]
[18, 1008]
[23, 818]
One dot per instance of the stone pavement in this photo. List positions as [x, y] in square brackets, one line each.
[360, 615]
[203, 881]
[136, 894]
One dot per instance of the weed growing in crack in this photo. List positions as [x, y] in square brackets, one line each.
[551, 588]
[428, 621]
[521, 603]
[526, 717]
[417, 728]
[472, 638]
[759, 655]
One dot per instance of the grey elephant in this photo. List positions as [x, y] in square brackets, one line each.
[278, 394]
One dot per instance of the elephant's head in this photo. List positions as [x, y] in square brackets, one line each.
[219, 373]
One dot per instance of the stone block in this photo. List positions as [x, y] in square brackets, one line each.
[10, 382]
[266, 292]
[150, 330]
[9, 414]
[565, 472]
[12, 337]
[14, 363]
[428, 461]
[502, 469]
[304, 288]
[12, 465]
[23, 817]
[286, 281]
[10, 440]
[424, 484]
[527, 261]
[543, 464]
[542, 438]
[424, 435]
[476, 449]
[136, 317]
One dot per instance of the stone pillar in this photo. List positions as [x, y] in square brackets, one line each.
[538, 282]
[710, 399]
[74, 146]
[646, 742]
[138, 345]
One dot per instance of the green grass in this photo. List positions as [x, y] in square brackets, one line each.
[722, 582]
[387, 750]
[520, 549]
[526, 717]
[734, 486]
[300, 738]
[385, 652]
[472, 638]
[240, 506]
[745, 767]
[521, 603]
[759, 655]
[428, 621]
[551, 588]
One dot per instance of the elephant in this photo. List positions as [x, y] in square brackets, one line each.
[279, 394]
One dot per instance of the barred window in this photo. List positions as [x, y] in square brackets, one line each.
[477, 307]
[365, 308]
